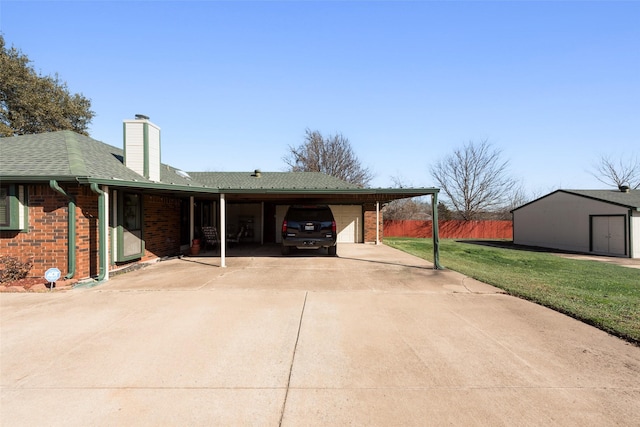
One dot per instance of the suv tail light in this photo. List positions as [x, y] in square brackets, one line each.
[333, 227]
[284, 226]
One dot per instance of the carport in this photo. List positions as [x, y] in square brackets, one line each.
[267, 189]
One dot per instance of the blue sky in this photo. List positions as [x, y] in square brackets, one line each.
[554, 85]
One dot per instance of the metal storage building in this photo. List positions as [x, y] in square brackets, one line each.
[602, 222]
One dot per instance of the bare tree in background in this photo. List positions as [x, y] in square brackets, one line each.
[625, 171]
[332, 155]
[416, 208]
[474, 179]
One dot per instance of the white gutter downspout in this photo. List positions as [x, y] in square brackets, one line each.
[223, 231]
[377, 223]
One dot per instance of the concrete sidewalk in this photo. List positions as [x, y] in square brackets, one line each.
[374, 337]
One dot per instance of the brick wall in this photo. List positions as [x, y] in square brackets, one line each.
[87, 261]
[161, 226]
[47, 239]
[370, 223]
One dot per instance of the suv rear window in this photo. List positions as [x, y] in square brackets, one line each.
[310, 213]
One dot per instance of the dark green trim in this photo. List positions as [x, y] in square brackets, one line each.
[631, 246]
[146, 185]
[435, 231]
[71, 229]
[124, 143]
[14, 204]
[120, 230]
[145, 149]
[102, 243]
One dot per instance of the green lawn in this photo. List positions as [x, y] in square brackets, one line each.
[601, 294]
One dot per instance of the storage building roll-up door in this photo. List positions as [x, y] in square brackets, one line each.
[608, 235]
[349, 223]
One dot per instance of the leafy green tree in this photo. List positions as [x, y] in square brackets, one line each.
[31, 103]
[332, 155]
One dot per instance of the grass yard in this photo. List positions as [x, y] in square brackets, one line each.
[603, 295]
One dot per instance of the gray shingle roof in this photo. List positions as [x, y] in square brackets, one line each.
[630, 199]
[66, 154]
[616, 197]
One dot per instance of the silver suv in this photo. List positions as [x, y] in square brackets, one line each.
[309, 227]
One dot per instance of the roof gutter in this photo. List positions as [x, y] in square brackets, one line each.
[200, 188]
[71, 229]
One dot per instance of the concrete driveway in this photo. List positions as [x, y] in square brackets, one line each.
[373, 337]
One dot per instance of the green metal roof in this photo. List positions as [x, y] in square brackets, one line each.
[271, 180]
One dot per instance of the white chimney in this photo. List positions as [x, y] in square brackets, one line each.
[142, 147]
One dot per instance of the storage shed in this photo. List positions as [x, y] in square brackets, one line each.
[602, 222]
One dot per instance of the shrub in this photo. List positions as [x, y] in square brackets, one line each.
[12, 269]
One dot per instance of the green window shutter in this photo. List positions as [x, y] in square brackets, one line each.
[13, 210]
[5, 212]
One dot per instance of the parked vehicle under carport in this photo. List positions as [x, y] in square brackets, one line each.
[309, 227]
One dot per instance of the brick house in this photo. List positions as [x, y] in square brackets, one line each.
[88, 208]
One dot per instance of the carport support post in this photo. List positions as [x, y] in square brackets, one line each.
[191, 219]
[377, 223]
[436, 237]
[223, 231]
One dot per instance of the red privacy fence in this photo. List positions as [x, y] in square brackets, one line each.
[451, 229]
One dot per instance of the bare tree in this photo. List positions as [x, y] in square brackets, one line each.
[474, 179]
[407, 209]
[624, 171]
[332, 155]
[416, 208]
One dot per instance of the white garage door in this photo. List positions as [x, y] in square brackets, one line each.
[608, 234]
[349, 223]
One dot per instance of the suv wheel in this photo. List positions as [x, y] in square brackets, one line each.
[332, 250]
[285, 250]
